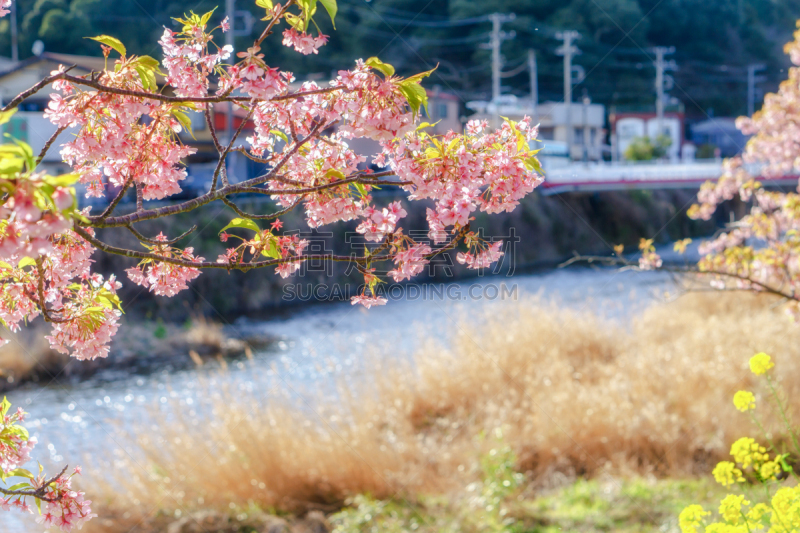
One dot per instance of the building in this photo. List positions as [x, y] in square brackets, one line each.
[721, 133]
[581, 125]
[627, 126]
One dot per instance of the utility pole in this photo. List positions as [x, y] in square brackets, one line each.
[497, 38]
[568, 50]
[661, 66]
[752, 79]
[534, 81]
[14, 37]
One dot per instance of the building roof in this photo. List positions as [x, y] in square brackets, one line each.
[714, 125]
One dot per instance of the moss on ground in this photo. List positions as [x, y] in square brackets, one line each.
[600, 505]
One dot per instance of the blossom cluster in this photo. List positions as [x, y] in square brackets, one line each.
[761, 251]
[160, 277]
[122, 141]
[58, 503]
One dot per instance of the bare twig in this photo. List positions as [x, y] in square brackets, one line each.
[155, 241]
[49, 144]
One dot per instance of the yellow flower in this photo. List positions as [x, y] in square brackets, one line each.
[721, 527]
[760, 363]
[731, 508]
[757, 512]
[769, 470]
[691, 518]
[786, 510]
[744, 400]
[727, 474]
[740, 450]
[680, 246]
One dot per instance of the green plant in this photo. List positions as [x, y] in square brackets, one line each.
[645, 149]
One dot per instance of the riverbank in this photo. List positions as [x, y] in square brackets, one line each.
[140, 348]
[527, 392]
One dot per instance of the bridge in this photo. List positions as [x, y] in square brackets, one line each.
[596, 177]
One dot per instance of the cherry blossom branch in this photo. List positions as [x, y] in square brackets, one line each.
[152, 96]
[252, 216]
[155, 241]
[250, 156]
[268, 30]
[49, 143]
[224, 154]
[38, 493]
[40, 290]
[24, 95]
[244, 267]
[113, 205]
[148, 214]
[212, 129]
[612, 261]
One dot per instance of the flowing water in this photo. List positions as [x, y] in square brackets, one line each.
[82, 423]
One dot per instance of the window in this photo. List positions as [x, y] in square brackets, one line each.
[547, 133]
[577, 136]
[441, 110]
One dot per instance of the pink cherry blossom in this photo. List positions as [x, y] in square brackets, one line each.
[302, 42]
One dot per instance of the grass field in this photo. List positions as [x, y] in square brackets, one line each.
[596, 428]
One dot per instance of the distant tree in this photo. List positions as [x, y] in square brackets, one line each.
[645, 149]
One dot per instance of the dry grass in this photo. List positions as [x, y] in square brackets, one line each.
[574, 396]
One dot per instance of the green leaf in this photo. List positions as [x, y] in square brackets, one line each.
[205, 18]
[271, 250]
[147, 75]
[19, 486]
[416, 78]
[242, 223]
[20, 472]
[184, 120]
[331, 8]
[279, 133]
[148, 62]
[4, 407]
[360, 188]
[113, 42]
[377, 64]
[415, 95]
[26, 261]
[266, 4]
[533, 164]
[5, 116]
[424, 125]
[333, 173]
[63, 180]
[10, 165]
[22, 149]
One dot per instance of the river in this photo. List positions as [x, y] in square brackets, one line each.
[81, 423]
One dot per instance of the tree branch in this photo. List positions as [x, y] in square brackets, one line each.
[49, 143]
[612, 261]
[38, 493]
[154, 241]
